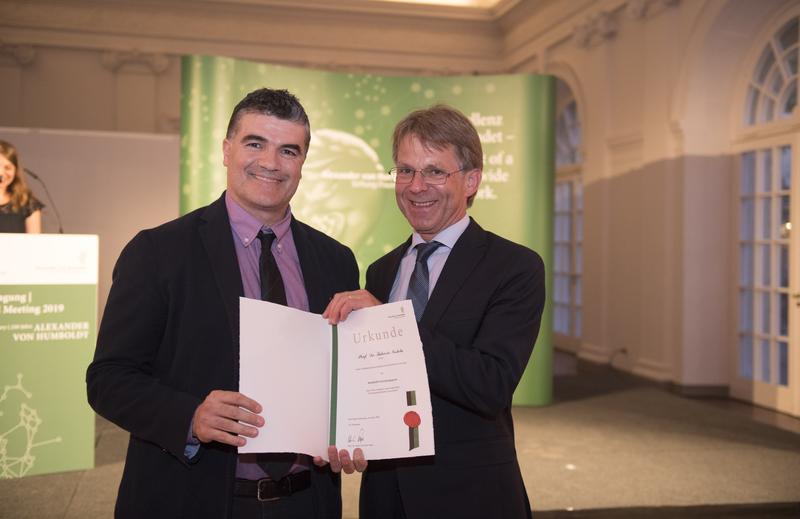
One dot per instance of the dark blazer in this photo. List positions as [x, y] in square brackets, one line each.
[169, 336]
[478, 332]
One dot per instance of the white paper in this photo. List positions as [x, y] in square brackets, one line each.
[380, 361]
[286, 365]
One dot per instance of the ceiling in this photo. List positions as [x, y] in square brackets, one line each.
[488, 10]
[480, 4]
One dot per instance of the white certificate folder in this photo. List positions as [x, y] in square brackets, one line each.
[362, 383]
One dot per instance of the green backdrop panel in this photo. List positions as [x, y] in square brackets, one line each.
[345, 190]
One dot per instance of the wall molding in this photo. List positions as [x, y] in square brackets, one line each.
[626, 152]
[594, 353]
[311, 32]
[603, 26]
[114, 60]
[596, 29]
[22, 55]
[421, 10]
[640, 9]
[652, 370]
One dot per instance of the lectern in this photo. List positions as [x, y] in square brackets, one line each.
[48, 327]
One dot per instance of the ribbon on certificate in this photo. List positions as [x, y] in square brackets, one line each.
[412, 420]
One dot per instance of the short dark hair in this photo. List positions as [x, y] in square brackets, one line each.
[441, 126]
[277, 103]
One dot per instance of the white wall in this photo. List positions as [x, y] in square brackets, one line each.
[112, 184]
[656, 82]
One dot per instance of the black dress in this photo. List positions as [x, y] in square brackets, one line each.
[14, 221]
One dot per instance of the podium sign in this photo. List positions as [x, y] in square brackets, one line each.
[48, 329]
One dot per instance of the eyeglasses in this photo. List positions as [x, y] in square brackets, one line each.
[430, 175]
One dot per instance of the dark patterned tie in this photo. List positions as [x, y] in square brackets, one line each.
[272, 288]
[276, 465]
[419, 283]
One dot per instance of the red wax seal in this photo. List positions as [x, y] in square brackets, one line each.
[412, 419]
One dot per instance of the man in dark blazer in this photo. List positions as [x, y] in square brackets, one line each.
[166, 367]
[478, 328]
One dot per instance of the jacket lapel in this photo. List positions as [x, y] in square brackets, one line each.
[313, 279]
[215, 233]
[385, 276]
[466, 254]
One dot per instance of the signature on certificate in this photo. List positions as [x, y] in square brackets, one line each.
[357, 437]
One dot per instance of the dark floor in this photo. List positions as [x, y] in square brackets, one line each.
[630, 448]
[610, 446]
[744, 511]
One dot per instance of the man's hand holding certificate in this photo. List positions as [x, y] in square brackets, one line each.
[359, 384]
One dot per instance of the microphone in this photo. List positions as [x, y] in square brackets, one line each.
[50, 198]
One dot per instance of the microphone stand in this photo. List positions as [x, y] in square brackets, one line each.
[50, 198]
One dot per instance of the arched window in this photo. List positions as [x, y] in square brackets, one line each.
[568, 222]
[767, 284]
[772, 94]
[568, 133]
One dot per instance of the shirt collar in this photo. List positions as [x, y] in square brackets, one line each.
[447, 237]
[246, 226]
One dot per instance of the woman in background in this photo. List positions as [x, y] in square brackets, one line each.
[20, 211]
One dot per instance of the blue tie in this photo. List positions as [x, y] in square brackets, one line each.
[419, 283]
